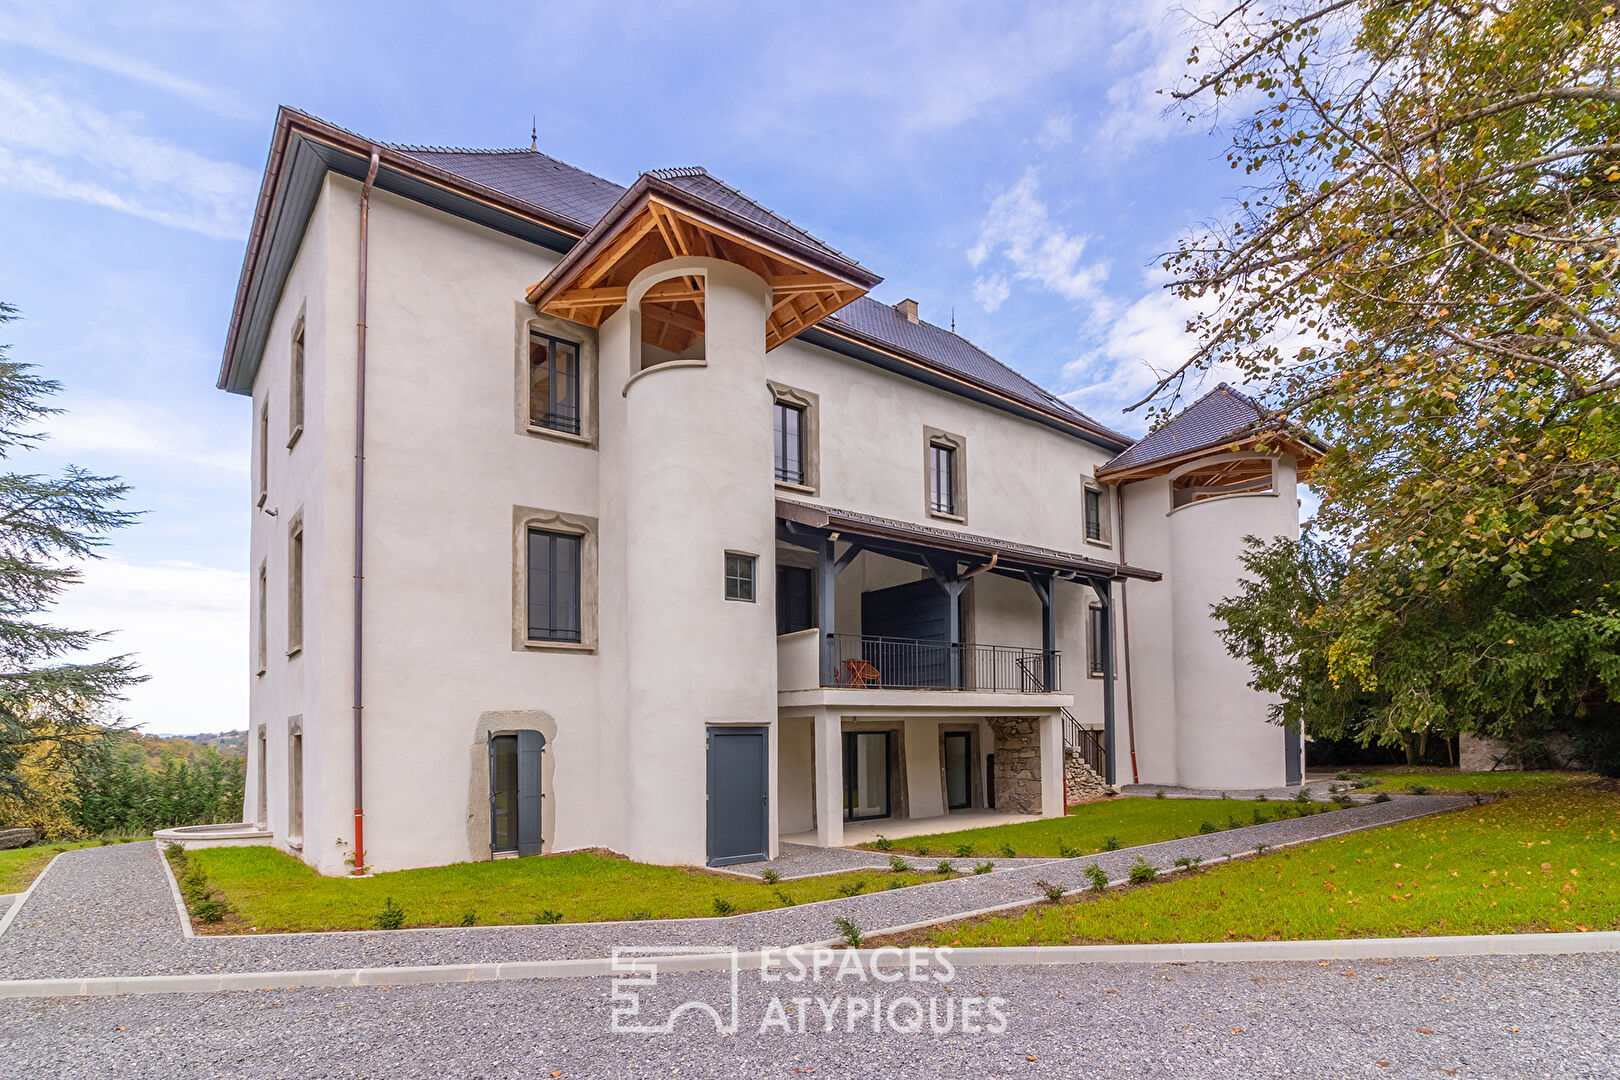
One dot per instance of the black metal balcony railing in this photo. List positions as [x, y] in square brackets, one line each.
[1088, 741]
[889, 663]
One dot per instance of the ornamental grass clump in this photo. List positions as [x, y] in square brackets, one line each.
[1143, 872]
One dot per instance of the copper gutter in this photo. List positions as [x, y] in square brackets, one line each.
[360, 516]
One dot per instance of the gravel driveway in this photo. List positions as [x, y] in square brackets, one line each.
[110, 911]
[1478, 1017]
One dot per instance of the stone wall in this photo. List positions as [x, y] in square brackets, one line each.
[1080, 782]
[1018, 764]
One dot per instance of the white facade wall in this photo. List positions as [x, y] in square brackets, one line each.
[674, 470]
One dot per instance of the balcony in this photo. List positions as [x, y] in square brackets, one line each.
[892, 663]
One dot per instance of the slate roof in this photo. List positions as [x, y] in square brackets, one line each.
[556, 188]
[1211, 420]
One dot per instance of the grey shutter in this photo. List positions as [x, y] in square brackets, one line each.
[529, 746]
[490, 740]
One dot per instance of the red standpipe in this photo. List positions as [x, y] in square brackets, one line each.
[360, 518]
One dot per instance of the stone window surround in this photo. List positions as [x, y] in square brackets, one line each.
[295, 737]
[296, 585]
[809, 434]
[1105, 515]
[530, 320]
[297, 380]
[523, 519]
[262, 465]
[932, 437]
[261, 778]
[509, 722]
[261, 619]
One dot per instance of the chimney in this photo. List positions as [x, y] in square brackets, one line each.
[908, 308]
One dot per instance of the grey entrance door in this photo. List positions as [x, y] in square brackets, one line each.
[738, 796]
[958, 770]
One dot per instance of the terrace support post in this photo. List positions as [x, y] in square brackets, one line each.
[1105, 654]
[1045, 586]
[829, 766]
[826, 612]
[949, 580]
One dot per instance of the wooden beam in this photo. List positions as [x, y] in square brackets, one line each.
[599, 266]
[659, 313]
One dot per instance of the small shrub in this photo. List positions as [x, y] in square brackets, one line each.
[211, 909]
[174, 852]
[1208, 827]
[720, 905]
[787, 901]
[1053, 893]
[1343, 799]
[944, 867]
[1110, 843]
[1419, 789]
[1143, 872]
[850, 888]
[1067, 852]
[893, 884]
[1159, 794]
[1008, 851]
[882, 843]
[848, 931]
[897, 864]
[391, 917]
[1262, 797]
[1233, 823]
[964, 851]
[1382, 796]
[1260, 849]
[1185, 863]
[922, 852]
[770, 875]
[1478, 798]
[1097, 876]
[1302, 796]
[1342, 774]
[1259, 818]
[984, 867]
[643, 915]
[1335, 787]
[545, 916]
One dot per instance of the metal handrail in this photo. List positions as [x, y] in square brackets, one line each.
[913, 664]
[1089, 741]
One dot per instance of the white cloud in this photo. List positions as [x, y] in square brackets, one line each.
[185, 625]
[1057, 130]
[1151, 43]
[44, 37]
[1018, 233]
[126, 428]
[64, 149]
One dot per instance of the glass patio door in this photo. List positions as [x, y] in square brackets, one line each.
[958, 760]
[866, 775]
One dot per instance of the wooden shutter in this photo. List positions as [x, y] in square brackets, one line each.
[529, 747]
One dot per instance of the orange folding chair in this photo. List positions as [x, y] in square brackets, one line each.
[858, 673]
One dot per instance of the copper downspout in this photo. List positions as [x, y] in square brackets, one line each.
[1125, 627]
[360, 517]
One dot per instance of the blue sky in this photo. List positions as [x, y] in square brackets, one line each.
[1013, 163]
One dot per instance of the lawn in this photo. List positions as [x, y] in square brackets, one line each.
[20, 866]
[1403, 778]
[1545, 860]
[269, 891]
[1100, 826]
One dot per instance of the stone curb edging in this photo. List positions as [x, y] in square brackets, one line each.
[186, 929]
[19, 899]
[1025, 956]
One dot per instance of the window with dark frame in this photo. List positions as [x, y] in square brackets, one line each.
[941, 478]
[295, 586]
[553, 586]
[739, 577]
[789, 435]
[553, 383]
[295, 404]
[1096, 627]
[1093, 514]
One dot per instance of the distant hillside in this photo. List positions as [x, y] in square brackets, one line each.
[227, 743]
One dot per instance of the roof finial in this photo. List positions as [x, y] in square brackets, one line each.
[953, 318]
[534, 132]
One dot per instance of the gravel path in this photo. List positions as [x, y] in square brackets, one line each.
[1316, 787]
[805, 860]
[109, 911]
[1497, 1018]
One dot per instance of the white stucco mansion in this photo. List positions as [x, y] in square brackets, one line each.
[592, 516]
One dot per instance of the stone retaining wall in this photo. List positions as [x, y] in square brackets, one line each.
[1080, 782]
[1018, 764]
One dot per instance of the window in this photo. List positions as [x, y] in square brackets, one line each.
[1096, 628]
[264, 451]
[1094, 529]
[553, 575]
[295, 586]
[795, 599]
[295, 395]
[553, 383]
[261, 814]
[941, 478]
[263, 604]
[739, 576]
[295, 781]
[789, 443]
